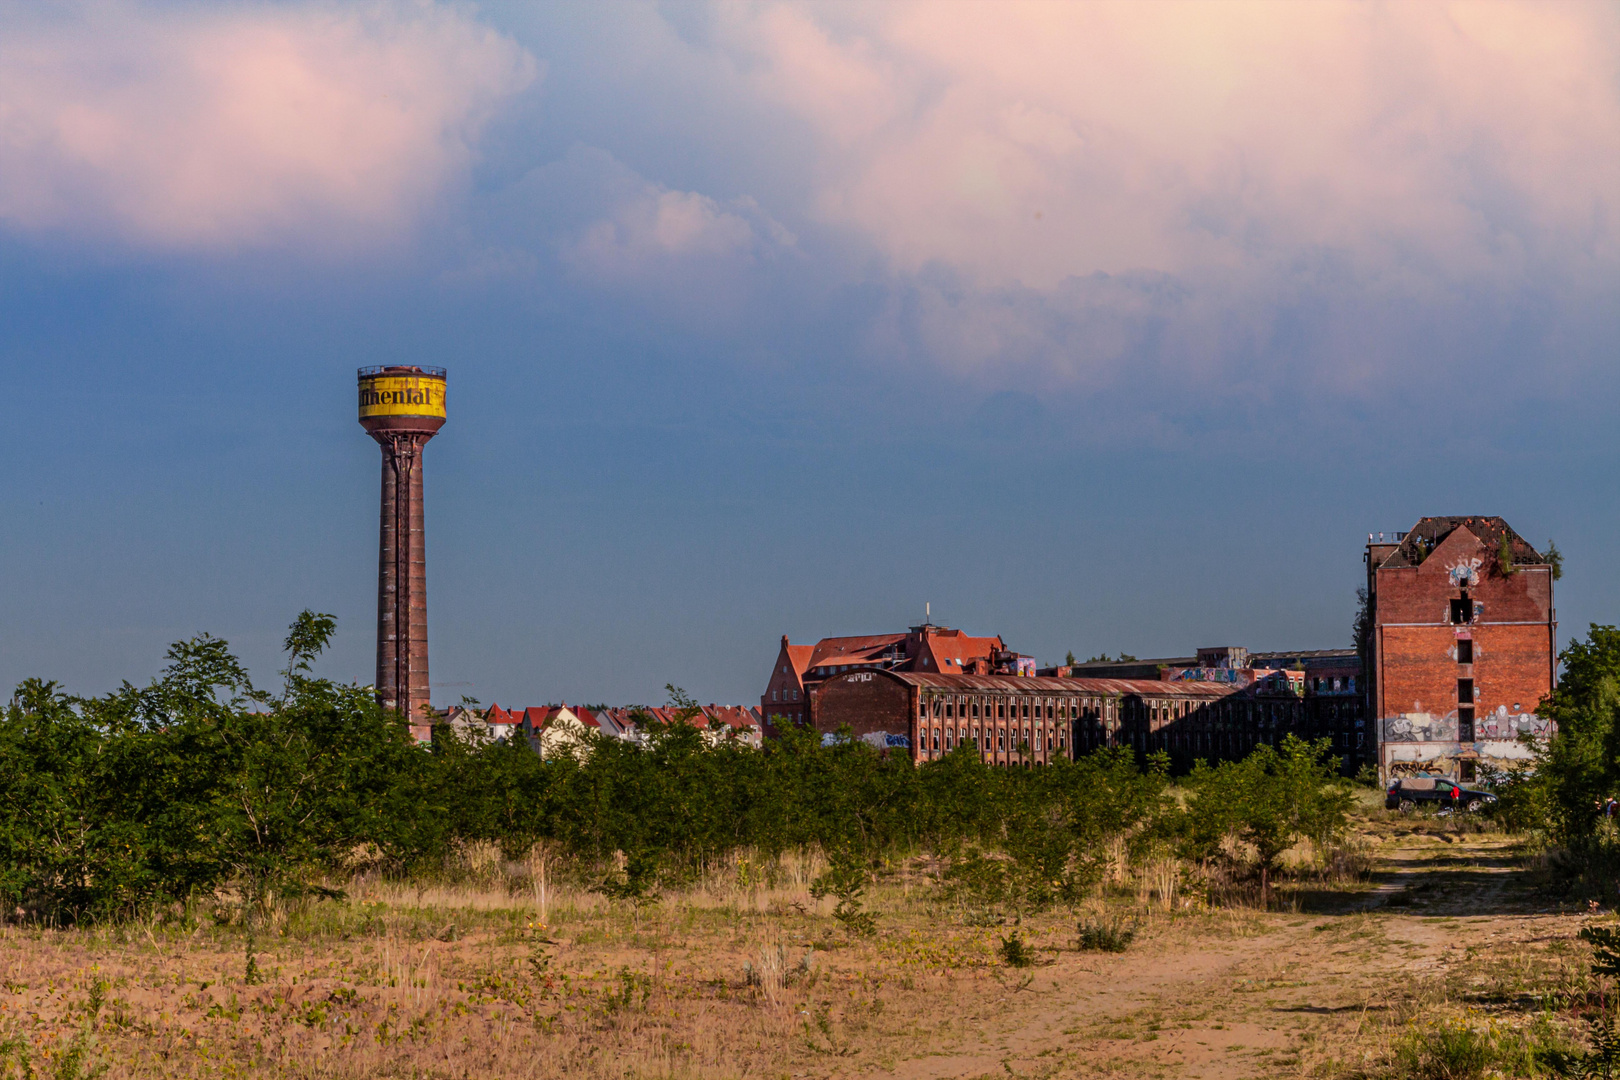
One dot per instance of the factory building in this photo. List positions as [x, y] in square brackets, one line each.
[1461, 643]
[925, 648]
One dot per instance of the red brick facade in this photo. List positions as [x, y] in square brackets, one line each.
[1462, 644]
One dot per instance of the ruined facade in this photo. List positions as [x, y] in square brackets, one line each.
[1461, 646]
[925, 648]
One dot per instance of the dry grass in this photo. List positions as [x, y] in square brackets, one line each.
[516, 970]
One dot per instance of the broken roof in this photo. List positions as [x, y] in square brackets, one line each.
[844, 650]
[1034, 684]
[1429, 532]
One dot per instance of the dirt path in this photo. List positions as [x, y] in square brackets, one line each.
[1258, 995]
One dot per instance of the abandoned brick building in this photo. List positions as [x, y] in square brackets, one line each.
[925, 648]
[1458, 649]
[1011, 720]
[1461, 645]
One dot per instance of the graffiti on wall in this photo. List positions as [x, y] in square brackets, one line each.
[1209, 674]
[1419, 728]
[1500, 726]
[882, 740]
[1505, 727]
[1465, 572]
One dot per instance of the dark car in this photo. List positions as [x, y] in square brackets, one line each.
[1406, 793]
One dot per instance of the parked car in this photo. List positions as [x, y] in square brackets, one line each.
[1407, 792]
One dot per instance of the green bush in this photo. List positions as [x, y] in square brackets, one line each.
[1105, 934]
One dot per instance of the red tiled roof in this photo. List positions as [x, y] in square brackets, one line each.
[841, 650]
[954, 649]
[799, 657]
[1012, 684]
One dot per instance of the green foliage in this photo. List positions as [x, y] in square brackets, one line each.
[1104, 934]
[846, 878]
[1603, 1060]
[1270, 800]
[1504, 559]
[636, 883]
[1554, 559]
[1015, 951]
[202, 789]
[1580, 766]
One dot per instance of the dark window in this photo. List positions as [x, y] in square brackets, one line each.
[1465, 724]
[1462, 610]
[1465, 691]
[1467, 772]
[1465, 651]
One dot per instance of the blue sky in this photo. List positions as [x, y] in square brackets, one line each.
[1097, 327]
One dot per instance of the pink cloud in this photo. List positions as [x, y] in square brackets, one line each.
[227, 126]
[1024, 144]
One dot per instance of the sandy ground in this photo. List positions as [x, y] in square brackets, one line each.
[403, 986]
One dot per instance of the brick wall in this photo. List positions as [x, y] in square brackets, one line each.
[865, 701]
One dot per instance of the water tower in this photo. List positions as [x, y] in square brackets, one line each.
[402, 408]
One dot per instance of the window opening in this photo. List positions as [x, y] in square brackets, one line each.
[1465, 651]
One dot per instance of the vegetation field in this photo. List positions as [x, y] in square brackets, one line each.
[203, 878]
[1445, 961]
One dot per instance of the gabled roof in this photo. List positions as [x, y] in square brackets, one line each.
[1429, 532]
[953, 649]
[849, 650]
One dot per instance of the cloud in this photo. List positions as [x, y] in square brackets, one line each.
[1229, 192]
[1032, 142]
[660, 227]
[212, 127]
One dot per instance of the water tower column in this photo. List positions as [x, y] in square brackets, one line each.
[402, 408]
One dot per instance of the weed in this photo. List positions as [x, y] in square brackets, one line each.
[846, 879]
[1015, 951]
[1105, 934]
[251, 975]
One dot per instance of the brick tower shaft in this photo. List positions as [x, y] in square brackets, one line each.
[402, 643]
[402, 408]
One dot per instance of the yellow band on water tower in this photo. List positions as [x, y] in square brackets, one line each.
[401, 395]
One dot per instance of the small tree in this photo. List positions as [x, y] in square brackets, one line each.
[1271, 800]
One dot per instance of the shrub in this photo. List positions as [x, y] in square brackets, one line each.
[1105, 934]
[1015, 951]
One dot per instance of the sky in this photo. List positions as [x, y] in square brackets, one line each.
[1097, 326]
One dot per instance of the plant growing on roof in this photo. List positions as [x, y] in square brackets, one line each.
[1504, 558]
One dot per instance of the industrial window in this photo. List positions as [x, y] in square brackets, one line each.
[949, 713]
[1465, 724]
[1001, 710]
[773, 695]
[1037, 744]
[947, 738]
[936, 738]
[1462, 610]
[1465, 651]
[1465, 691]
[975, 710]
[1026, 710]
[922, 708]
[1000, 744]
